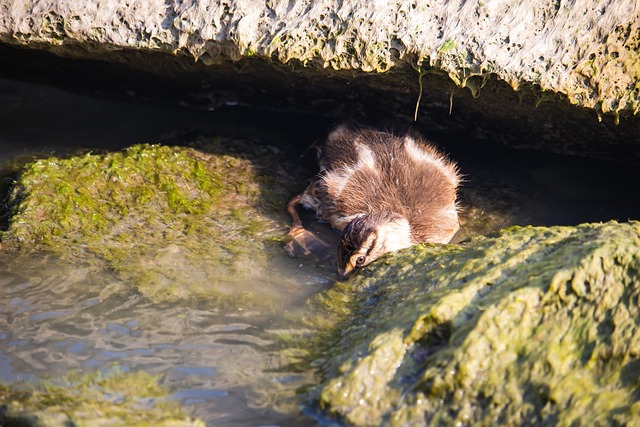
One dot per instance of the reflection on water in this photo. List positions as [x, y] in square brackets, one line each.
[223, 366]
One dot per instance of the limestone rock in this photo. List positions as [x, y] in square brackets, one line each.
[175, 224]
[529, 326]
[560, 76]
[109, 398]
[587, 50]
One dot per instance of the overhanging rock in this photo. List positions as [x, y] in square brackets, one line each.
[514, 57]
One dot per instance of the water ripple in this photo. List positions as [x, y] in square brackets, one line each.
[54, 319]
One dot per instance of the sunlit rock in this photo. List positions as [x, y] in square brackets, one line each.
[526, 326]
[96, 399]
[586, 50]
[174, 223]
[512, 71]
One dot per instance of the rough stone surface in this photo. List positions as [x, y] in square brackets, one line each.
[173, 223]
[92, 400]
[547, 75]
[587, 50]
[529, 326]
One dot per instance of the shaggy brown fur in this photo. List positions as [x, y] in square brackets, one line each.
[422, 192]
[368, 177]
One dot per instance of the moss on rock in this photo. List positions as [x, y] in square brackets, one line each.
[528, 326]
[111, 399]
[175, 223]
[587, 51]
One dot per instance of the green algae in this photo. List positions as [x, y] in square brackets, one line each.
[447, 45]
[612, 67]
[96, 399]
[526, 326]
[174, 223]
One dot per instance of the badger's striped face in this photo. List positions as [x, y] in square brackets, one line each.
[368, 237]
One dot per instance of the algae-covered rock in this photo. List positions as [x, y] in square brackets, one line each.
[92, 400]
[562, 76]
[587, 50]
[529, 326]
[175, 223]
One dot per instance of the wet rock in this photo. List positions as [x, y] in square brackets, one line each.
[525, 326]
[173, 223]
[108, 399]
[525, 64]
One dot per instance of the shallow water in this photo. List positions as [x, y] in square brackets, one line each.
[221, 365]
[224, 366]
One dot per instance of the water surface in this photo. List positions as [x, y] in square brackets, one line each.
[224, 366]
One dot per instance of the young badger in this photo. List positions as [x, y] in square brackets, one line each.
[382, 191]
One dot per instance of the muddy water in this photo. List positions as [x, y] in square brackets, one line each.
[224, 367]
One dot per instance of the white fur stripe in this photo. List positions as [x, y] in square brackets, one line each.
[418, 154]
[338, 178]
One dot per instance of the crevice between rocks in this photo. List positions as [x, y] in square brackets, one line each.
[487, 108]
